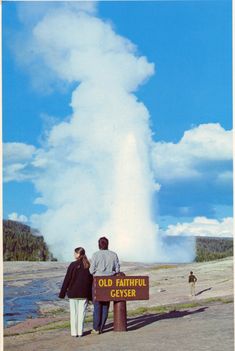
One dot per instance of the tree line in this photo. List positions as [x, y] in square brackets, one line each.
[21, 243]
[208, 249]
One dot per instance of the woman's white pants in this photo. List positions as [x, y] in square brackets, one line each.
[77, 315]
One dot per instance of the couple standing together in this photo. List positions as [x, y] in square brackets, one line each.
[78, 286]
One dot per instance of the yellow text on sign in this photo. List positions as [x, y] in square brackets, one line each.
[130, 282]
[122, 282]
[105, 282]
[123, 293]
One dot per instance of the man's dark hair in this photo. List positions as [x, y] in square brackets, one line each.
[191, 272]
[103, 243]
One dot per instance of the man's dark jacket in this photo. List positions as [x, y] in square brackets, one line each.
[192, 278]
[77, 282]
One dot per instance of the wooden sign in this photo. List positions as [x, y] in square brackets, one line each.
[121, 288]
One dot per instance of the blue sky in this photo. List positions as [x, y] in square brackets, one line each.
[189, 43]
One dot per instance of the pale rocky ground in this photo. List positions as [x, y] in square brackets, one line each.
[205, 327]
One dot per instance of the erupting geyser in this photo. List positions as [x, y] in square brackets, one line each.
[131, 228]
[95, 176]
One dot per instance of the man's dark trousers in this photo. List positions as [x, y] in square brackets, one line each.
[100, 315]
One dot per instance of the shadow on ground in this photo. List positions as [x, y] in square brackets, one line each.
[142, 321]
[202, 291]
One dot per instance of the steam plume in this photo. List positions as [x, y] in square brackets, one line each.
[95, 176]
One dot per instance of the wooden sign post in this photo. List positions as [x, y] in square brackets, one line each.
[119, 289]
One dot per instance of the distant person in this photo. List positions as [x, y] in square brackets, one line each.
[103, 262]
[78, 287]
[192, 280]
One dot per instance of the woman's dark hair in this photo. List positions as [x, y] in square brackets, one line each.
[82, 257]
[103, 243]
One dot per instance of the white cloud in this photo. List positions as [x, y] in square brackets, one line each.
[204, 143]
[157, 187]
[29, 15]
[16, 217]
[202, 226]
[225, 176]
[15, 172]
[16, 160]
[17, 152]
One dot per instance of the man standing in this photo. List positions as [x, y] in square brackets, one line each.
[103, 262]
[192, 280]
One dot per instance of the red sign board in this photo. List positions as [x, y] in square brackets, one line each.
[121, 288]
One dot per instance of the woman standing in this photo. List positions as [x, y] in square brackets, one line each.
[78, 287]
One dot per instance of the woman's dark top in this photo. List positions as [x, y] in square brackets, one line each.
[77, 282]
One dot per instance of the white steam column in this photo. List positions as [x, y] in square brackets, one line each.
[131, 230]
